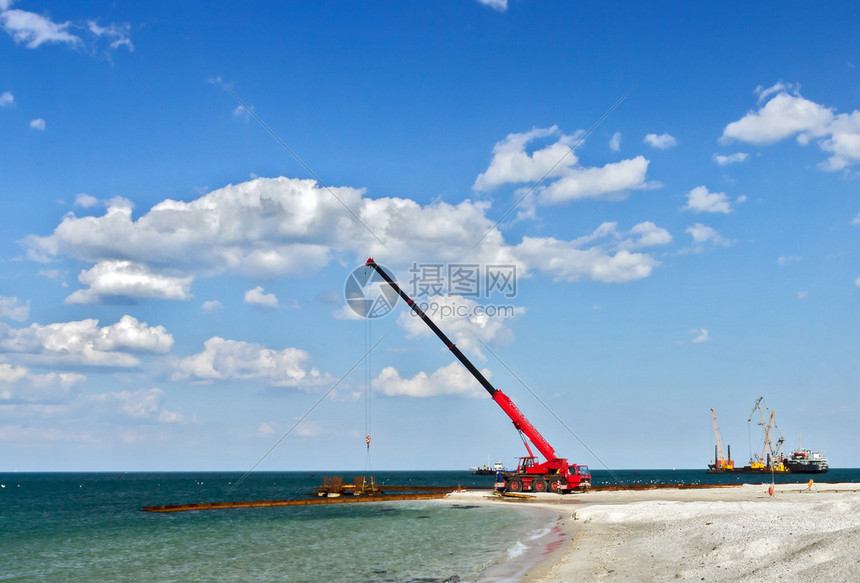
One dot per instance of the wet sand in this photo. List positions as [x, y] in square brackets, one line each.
[730, 534]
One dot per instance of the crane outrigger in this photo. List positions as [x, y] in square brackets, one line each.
[555, 474]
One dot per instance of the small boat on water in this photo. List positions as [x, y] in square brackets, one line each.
[805, 461]
[487, 470]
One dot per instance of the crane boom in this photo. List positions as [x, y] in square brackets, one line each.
[720, 462]
[755, 406]
[717, 435]
[765, 447]
[555, 473]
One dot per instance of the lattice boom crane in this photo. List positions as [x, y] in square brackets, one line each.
[720, 462]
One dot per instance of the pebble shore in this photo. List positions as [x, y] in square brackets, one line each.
[808, 533]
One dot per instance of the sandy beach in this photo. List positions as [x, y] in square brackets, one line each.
[739, 533]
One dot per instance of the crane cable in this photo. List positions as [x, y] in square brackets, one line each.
[308, 412]
[368, 375]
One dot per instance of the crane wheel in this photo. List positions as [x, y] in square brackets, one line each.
[555, 485]
[539, 485]
[515, 485]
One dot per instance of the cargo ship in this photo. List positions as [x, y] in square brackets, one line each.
[487, 470]
[805, 461]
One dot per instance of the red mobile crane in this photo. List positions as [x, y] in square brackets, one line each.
[555, 474]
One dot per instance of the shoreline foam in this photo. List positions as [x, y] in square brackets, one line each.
[712, 534]
[529, 549]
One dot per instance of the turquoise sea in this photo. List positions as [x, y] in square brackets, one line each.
[89, 527]
[75, 527]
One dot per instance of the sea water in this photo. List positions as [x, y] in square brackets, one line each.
[697, 476]
[90, 527]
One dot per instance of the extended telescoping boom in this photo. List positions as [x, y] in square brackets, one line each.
[555, 474]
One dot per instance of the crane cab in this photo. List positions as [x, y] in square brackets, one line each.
[584, 475]
[526, 465]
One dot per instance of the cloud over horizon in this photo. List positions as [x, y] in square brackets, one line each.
[84, 343]
[226, 360]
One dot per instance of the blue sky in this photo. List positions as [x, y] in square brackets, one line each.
[172, 278]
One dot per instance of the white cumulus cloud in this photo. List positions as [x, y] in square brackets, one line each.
[18, 383]
[565, 179]
[842, 141]
[605, 255]
[259, 299]
[280, 227]
[467, 322]
[212, 306]
[34, 30]
[223, 360]
[134, 336]
[611, 181]
[452, 379]
[783, 116]
[788, 114]
[511, 163]
[660, 141]
[38, 124]
[141, 405]
[500, 5]
[7, 99]
[646, 234]
[702, 234]
[13, 309]
[725, 160]
[117, 35]
[699, 335]
[130, 280]
[84, 200]
[83, 342]
[263, 227]
[700, 200]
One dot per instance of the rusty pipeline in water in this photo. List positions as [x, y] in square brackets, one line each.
[332, 491]
[296, 502]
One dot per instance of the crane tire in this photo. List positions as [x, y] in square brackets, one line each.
[515, 485]
[539, 485]
[555, 485]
